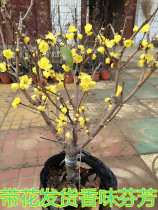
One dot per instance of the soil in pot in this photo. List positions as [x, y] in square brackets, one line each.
[96, 77]
[5, 78]
[105, 74]
[69, 78]
[94, 174]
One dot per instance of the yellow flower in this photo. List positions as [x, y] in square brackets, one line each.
[86, 81]
[52, 73]
[73, 51]
[62, 44]
[75, 119]
[114, 55]
[16, 102]
[72, 29]
[87, 119]
[101, 37]
[66, 68]
[107, 100]
[34, 70]
[64, 110]
[41, 108]
[59, 77]
[89, 51]
[77, 115]
[107, 60]
[144, 44]
[34, 97]
[135, 28]
[70, 36]
[145, 28]
[3, 67]
[119, 90]
[25, 82]
[52, 38]
[117, 38]
[101, 50]
[149, 57]
[26, 39]
[46, 74]
[62, 117]
[61, 84]
[112, 65]
[110, 106]
[60, 131]
[109, 43]
[44, 64]
[81, 47]
[68, 135]
[94, 56]
[44, 97]
[8, 54]
[151, 46]
[58, 34]
[78, 58]
[79, 36]
[141, 63]
[52, 88]
[128, 43]
[15, 86]
[86, 131]
[43, 47]
[142, 56]
[38, 41]
[88, 29]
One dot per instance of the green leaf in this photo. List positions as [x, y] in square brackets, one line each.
[67, 55]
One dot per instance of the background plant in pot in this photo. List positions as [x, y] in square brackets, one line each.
[66, 114]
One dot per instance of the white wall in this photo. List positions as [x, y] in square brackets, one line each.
[67, 13]
[139, 18]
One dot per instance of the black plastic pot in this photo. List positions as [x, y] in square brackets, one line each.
[108, 178]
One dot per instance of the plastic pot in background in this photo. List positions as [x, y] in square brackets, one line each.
[107, 177]
[69, 78]
[96, 76]
[5, 78]
[105, 74]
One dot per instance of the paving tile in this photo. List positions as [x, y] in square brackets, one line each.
[26, 182]
[143, 134]
[145, 93]
[27, 171]
[6, 175]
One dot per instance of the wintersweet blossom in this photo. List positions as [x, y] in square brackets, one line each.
[88, 29]
[141, 63]
[8, 54]
[101, 50]
[107, 60]
[44, 64]
[60, 131]
[117, 38]
[135, 28]
[25, 82]
[43, 47]
[72, 29]
[59, 77]
[26, 39]
[65, 67]
[14, 86]
[114, 55]
[119, 90]
[70, 36]
[3, 67]
[16, 102]
[41, 108]
[145, 28]
[89, 51]
[64, 110]
[80, 47]
[78, 58]
[106, 99]
[51, 37]
[151, 46]
[68, 135]
[109, 43]
[80, 36]
[128, 43]
[86, 81]
[93, 56]
[144, 44]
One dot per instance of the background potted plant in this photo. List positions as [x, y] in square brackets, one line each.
[71, 119]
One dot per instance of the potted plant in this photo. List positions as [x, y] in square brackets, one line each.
[71, 119]
[5, 78]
